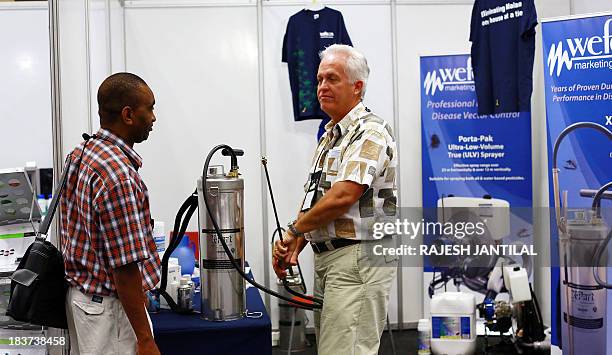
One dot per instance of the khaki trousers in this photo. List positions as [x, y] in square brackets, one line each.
[98, 327]
[355, 289]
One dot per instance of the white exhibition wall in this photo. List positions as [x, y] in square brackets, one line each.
[25, 86]
[589, 6]
[216, 72]
[91, 46]
[75, 66]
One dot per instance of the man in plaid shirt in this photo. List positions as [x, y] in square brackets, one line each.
[106, 228]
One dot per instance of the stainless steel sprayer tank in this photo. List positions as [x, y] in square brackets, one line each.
[223, 288]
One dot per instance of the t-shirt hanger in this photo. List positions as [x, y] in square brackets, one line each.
[314, 5]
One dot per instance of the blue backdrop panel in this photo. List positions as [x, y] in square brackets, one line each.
[469, 155]
[578, 86]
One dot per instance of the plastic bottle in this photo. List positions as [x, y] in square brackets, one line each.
[174, 275]
[159, 236]
[185, 255]
[453, 323]
[42, 203]
[424, 337]
[185, 295]
[195, 277]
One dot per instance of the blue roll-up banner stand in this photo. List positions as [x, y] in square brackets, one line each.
[578, 84]
[472, 156]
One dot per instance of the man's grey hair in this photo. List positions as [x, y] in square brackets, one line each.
[356, 64]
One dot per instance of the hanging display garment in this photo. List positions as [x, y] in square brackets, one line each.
[308, 33]
[503, 45]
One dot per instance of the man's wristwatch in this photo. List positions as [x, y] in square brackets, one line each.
[291, 227]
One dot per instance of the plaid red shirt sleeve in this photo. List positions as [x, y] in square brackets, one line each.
[123, 224]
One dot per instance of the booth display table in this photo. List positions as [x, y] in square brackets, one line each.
[189, 334]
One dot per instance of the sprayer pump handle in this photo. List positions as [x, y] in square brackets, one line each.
[238, 152]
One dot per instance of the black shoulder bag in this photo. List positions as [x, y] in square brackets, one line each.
[39, 286]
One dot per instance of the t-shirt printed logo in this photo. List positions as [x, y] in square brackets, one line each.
[326, 35]
[501, 13]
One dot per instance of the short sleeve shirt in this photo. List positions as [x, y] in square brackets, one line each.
[503, 46]
[360, 148]
[308, 33]
[105, 217]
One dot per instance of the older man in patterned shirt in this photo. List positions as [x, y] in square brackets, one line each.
[351, 187]
[106, 229]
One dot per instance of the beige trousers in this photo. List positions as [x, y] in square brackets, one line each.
[355, 289]
[98, 327]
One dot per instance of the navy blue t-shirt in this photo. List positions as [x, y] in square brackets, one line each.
[308, 33]
[503, 45]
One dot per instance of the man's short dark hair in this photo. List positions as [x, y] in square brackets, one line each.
[116, 92]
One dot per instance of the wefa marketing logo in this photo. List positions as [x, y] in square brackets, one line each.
[580, 53]
[450, 79]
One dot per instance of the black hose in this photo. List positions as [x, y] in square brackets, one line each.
[280, 230]
[598, 255]
[597, 198]
[166, 257]
[173, 241]
[285, 283]
[477, 284]
[600, 251]
[540, 325]
[188, 208]
[560, 138]
[571, 128]
[232, 260]
[537, 345]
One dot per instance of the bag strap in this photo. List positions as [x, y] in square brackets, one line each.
[46, 223]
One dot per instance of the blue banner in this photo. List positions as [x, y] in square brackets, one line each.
[471, 156]
[578, 86]
[465, 154]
